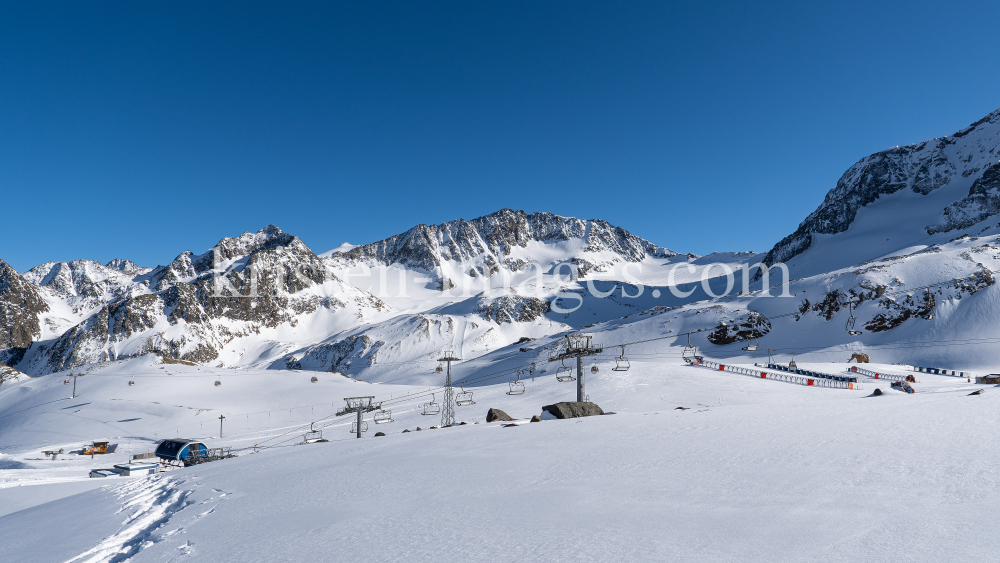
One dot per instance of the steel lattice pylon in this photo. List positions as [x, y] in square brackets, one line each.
[448, 405]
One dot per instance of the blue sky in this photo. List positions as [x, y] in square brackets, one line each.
[143, 131]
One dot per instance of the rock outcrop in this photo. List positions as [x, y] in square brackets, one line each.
[493, 415]
[20, 307]
[573, 409]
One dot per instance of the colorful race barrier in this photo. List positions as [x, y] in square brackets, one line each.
[814, 374]
[779, 375]
[877, 375]
[940, 371]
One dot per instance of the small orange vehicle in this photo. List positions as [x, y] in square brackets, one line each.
[95, 448]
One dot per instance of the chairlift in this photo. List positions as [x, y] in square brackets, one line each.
[464, 398]
[516, 386]
[354, 427]
[439, 369]
[621, 362]
[66, 381]
[313, 436]
[432, 407]
[852, 320]
[382, 416]
[314, 379]
[131, 382]
[218, 382]
[752, 346]
[593, 369]
[564, 373]
[689, 352]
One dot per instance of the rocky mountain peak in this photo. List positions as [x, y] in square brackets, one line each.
[494, 237]
[20, 305]
[924, 168]
[126, 266]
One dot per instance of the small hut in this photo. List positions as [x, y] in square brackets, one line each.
[991, 379]
[180, 449]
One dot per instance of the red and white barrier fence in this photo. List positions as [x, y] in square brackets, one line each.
[877, 374]
[779, 376]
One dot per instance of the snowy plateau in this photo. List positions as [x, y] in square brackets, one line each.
[704, 453]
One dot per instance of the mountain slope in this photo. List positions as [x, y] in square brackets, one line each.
[926, 191]
[487, 244]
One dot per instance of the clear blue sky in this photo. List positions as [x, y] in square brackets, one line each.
[139, 132]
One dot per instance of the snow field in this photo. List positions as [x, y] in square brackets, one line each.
[752, 470]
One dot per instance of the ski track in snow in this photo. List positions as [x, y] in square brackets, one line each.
[148, 505]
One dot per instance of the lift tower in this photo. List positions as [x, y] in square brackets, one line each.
[360, 405]
[577, 346]
[448, 405]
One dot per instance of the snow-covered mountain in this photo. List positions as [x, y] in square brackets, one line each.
[63, 315]
[266, 299]
[505, 240]
[927, 192]
[906, 240]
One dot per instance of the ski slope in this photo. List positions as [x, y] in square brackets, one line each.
[750, 469]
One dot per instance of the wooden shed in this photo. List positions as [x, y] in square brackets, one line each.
[991, 379]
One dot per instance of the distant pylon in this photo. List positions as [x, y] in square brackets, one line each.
[448, 405]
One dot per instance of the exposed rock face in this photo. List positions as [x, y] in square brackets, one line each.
[573, 409]
[9, 374]
[187, 310]
[493, 237]
[746, 327]
[982, 202]
[84, 284]
[493, 415]
[512, 308]
[20, 306]
[922, 168]
[126, 267]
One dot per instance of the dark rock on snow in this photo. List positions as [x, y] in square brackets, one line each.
[573, 409]
[497, 414]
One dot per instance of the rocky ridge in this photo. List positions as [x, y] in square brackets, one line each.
[922, 168]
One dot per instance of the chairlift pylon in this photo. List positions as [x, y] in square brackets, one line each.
[621, 362]
[464, 398]
[516, 386]
[432, 407]
[851, 320]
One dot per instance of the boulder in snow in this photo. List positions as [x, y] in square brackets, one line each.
[573, 409]
[493, 415]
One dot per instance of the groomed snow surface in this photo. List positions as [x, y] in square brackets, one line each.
[749, 470]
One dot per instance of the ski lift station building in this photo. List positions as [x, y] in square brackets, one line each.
[180, 449]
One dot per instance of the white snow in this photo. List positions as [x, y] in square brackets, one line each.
[752, 470]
